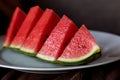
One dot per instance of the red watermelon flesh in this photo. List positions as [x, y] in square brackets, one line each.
[40, 32]
[58, 39]
[81, 47]
[29, 22]
[16, 21]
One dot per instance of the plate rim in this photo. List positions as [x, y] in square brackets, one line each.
[64, 68]
[58, 68]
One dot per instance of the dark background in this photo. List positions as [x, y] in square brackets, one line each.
[102, 15]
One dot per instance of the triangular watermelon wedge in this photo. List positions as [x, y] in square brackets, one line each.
[40, 32]
[16, 21]
[32, 17]
[81, 49]
[58, 39]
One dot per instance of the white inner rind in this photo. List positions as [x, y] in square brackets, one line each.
[51, 59]
[15, 46]
[5, 45]
[30, 51]
[47, 58]
[93, 51]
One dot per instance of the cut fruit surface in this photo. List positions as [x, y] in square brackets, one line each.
[58, 39]
[32, 17]
[81, 49]
[40, 32]
[15, 23]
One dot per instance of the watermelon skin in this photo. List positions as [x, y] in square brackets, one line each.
[87, 59]
[81, 49]
[39, 34]
[15, 23]
[58, 39]
[32, 17]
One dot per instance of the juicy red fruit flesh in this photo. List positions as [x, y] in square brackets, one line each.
[16, 21]
[58, 38]
[29, 22]
[82, 43]
[41, 30]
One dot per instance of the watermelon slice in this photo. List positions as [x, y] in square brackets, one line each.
[16, 21]
[29, 22]
[40, 32]
[58, 39]
[81, 49]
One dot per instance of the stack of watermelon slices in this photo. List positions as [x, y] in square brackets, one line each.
[16, 21]
[51, 38]
[40, 32]
[29, 22]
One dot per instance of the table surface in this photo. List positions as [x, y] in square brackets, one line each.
[105, 72]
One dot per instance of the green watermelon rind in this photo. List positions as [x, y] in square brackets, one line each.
[14, 46]
[29, 54]
[5, 46]
[28, 51]
[94, 54]
[85, 61]
[19, 51]
[16, 50]
[46, 58]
